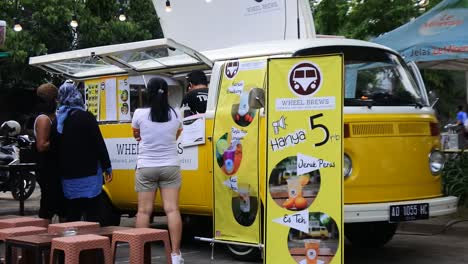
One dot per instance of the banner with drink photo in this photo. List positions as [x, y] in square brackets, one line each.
[304, 201]
[236, 185]
[123, 97]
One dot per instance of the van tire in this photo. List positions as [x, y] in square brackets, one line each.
[370, 234]
[244, 253]
[109, 216]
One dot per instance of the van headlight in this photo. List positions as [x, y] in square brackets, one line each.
[436, 162]
[347, 166]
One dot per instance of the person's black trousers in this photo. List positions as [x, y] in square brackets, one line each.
[88, 208]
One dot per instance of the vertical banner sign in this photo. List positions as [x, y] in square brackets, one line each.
[235, 184]
[92, 96]
[123, 94]
[304, 207]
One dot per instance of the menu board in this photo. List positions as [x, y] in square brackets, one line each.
[92, 96]
[123, 108]
[304, 201]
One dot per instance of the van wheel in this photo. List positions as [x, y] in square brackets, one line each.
[109, 216]
[244, 253]
[370, 235]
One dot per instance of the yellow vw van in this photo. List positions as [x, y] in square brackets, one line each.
[392, 162]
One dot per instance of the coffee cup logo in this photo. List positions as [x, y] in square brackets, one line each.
[231, 69]
[305, 79]
[311, 254]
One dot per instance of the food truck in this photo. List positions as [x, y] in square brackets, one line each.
[391, 164]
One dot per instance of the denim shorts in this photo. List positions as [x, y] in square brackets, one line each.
[151, 178]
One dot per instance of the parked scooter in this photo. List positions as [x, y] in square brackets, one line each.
[21, 183]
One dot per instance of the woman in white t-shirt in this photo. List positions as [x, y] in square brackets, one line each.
[156, 129]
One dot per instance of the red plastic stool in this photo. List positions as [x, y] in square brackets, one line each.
[23, 221]
[138, 239]
[79, 225]
[10, 254]
[73, 245]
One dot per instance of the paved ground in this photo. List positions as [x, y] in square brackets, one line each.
[438, 240]
[193, 251]
[8, 206]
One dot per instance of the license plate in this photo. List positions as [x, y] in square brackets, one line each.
[409, 212]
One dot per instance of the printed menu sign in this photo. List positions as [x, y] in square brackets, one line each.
[92, 96]
[304, 181]
[111, 99]
[123, 95]
[235, 170]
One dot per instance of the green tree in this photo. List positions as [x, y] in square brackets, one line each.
[330, 16]
[364, 19]
[449, 88]
[46, 30]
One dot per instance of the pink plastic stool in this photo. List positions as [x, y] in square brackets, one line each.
[18, 231]
[79, 225]
[23, 221]
[137, 238]
[73, 245]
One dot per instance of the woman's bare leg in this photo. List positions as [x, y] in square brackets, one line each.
[145, 208]
[170, 197]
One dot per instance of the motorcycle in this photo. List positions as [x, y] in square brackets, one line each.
[13, 177]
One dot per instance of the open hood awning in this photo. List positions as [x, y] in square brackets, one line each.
[133, 58]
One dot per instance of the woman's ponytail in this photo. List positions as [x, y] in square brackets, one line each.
[158, 98]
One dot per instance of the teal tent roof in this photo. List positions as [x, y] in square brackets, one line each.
[437, 39]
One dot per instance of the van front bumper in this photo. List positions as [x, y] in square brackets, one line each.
[376, 212]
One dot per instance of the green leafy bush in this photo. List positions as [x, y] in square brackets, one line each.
[455, 176]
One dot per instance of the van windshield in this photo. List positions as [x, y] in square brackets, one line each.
[374, 77]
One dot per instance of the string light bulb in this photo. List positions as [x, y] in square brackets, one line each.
[122, 16]
[17, 27]
[74, 22]
[168, 6]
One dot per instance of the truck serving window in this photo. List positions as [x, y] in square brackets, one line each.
[373, 77]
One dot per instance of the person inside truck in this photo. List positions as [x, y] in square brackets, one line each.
[157, 128]
[197, 95]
